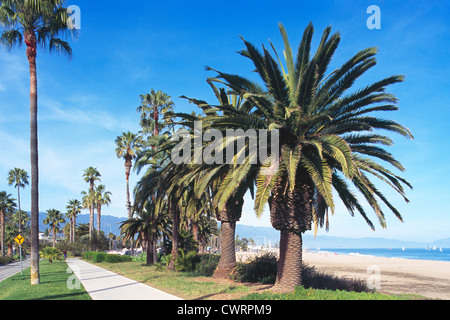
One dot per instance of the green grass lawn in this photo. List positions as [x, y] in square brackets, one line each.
[53, 285]
[190, 287]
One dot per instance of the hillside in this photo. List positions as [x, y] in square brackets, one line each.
[262, 235]
[266, 235]
[108, 223]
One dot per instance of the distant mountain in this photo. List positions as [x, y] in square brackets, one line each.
[262, 235]
[108, 223]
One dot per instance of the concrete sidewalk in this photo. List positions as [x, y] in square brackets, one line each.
[11, 269]
[103, 284]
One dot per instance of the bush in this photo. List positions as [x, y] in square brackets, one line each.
[5, 260]
[95, 256]
[205, 264]
[114, 258]
[51, 254]
[261, 269]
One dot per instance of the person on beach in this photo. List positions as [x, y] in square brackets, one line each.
[65, 255]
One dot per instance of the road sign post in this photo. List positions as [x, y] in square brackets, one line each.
[19, 239]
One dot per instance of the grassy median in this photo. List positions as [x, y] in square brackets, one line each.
[53, 285]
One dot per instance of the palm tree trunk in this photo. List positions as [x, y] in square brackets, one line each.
[30, 41]
[291, 214]
[130, 214]
[149, 250]
[227, 260]
[2, 223]
[54, 237]
[228, 217]
[73, 227]
[99, 213]
[175, 229]
[289, 271]
[91, 222]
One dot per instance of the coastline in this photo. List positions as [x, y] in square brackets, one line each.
[429, 278]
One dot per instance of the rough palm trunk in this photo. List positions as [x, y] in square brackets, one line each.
[91, 222]
[73, 228]
[99, 217]
[228, 217]
[30, 41]
[227, 260]
[127, 178]
[175, 230]
[149, 249]
[291, 214]
[2, 224]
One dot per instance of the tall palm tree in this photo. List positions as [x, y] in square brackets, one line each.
[91, 175]
[54, 218]
[102, 197]
[326, 141]
[88, 201]
[19, 178]
[153, 105]
[73, 207]
[128, 145]
[7, 204]
[39, 23]
[227, 212]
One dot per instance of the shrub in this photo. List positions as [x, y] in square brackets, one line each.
[205, 264]
[262, 268]
[51, 254]
[5, 260]
[114, 258]
[95, 256]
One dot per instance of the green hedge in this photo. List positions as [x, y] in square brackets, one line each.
[95, 256]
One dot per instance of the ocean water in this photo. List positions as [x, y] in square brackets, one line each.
[408, 253]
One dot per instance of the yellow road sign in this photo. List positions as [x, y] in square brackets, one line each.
[19, 239]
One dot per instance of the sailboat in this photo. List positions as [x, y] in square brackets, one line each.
[434, 248]
[440, 249]
[403, 248]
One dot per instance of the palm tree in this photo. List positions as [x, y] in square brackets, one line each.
[73, 207]
[37, 23]
[102, 197]
[88, 201]
[149, 226]
[54, 219]
[326, 140]
[91, 175]
[7, 204]
[19, 178]
[153, 105]
[128, 145]
[227, 212]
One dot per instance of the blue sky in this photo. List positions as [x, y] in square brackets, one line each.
[125, 50]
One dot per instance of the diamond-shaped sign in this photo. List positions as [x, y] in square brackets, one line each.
[19, 239]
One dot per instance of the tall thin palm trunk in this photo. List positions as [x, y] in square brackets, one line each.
[173, 207]
[2, 232]
[99, 214]
[30, 40]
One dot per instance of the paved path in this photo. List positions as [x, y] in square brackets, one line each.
[11, 269]
[103, 284]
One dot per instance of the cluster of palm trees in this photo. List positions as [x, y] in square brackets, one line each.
[329, 144]
[12, 218]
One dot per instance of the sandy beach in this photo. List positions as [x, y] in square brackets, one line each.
[389, 275]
